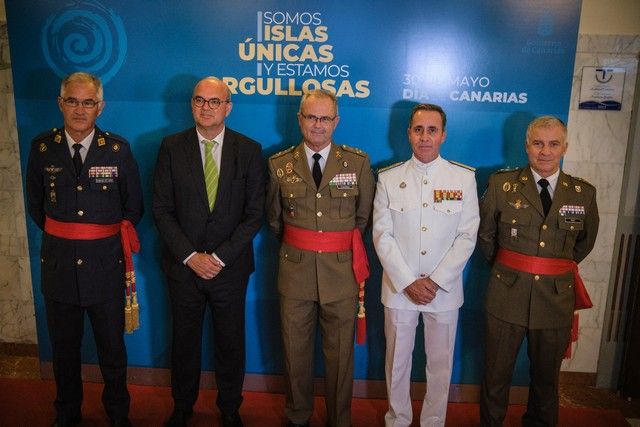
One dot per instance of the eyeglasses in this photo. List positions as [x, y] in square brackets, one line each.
[86, 103]
[213, 103]
[314, 119]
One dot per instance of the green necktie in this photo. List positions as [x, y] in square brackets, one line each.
[211, 174]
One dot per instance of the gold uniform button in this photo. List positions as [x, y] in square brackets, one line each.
[536, 277]
[291, 195]
[513, 221]
[104, 187]
[572, 227]
[80, 213]
[319, 214]
[424, 228]
[498, 275]
[52, 184]
[79, 188]
[344, 194]
[79, 261]
[318, 195]
[542, 244]
[544, 226]
[423, 252]
[424, 205]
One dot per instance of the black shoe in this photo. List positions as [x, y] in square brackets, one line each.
[292, 424]
[232, 420]
[121, 422]
[179, 418]
[66, 421]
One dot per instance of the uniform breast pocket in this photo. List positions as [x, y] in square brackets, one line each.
[59, 192]
[343, 201]
[293, 198]
[571, 226]
[513, 226]
[104, 193]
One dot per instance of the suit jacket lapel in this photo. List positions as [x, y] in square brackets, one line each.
[528, 188]
[226, 168]
[95, 153]
[61, 149]
[194, 163]
[559, 195]
[301, 166]
[332, 166]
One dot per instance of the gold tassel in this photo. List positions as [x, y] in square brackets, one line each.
[135, 313]
[128, 321]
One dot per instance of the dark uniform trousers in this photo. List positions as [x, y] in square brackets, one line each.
[84, 276]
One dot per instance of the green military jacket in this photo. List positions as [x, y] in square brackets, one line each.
[343, 202]
[511, 217]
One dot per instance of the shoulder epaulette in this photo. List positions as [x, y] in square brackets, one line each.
[503, 170]
[582, 180]
[47, 134]
[386, 168]
[353, 150]
[283, 152]
[113, 136]
[462, 165]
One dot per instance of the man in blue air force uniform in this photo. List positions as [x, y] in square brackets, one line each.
[82, 183]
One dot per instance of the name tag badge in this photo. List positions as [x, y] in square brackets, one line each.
[514, 233]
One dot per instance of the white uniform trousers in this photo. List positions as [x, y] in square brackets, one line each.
[439, 342]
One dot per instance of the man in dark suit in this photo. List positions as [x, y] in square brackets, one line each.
[83, 190]
[319, 199]
[208, 203]
[536, 224]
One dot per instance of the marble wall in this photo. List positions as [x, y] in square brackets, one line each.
[17, 318]
[597, 148]
[598, 144]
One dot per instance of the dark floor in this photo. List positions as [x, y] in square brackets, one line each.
[19, 361]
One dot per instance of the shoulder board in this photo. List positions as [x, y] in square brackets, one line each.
[462, 165]
[283, 152]
[584, 181]
[47, 134]
[112, 136]
[353, 150]
[503, 170]
[386, 168]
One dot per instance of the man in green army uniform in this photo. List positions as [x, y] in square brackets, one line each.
[318, 202]
[536, 224]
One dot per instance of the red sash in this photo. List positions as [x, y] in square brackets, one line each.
[336, 241]
[128, 240]
[550, 266]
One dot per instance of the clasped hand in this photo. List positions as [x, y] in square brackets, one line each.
[204, 265]
[422, 291]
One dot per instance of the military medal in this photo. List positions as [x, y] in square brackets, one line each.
[515, 186]
[514, 233]
[292, 210]
[43, 147]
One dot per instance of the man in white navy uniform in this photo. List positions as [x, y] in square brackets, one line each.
[425, 222]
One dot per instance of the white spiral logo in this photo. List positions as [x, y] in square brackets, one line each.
[85, 36]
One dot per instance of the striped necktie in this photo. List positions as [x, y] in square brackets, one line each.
[211, 174]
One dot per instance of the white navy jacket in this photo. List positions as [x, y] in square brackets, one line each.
[425, 224]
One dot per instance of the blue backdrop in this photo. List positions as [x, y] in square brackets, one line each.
[492, 65]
